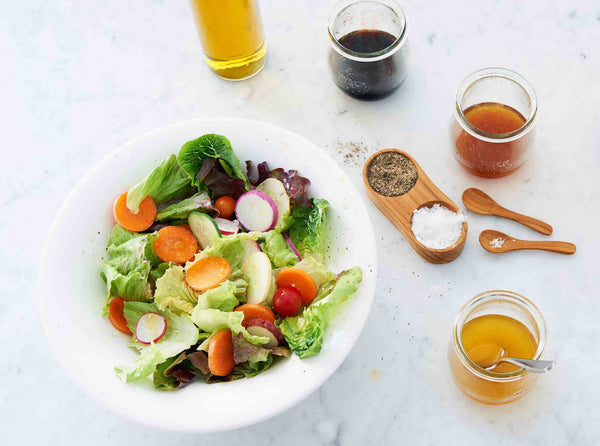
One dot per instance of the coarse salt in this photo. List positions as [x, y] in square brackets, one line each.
[437, 227]
[497, 242]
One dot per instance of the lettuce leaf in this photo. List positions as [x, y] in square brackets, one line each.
[194, 152]
[199, 202]
[214, 177]
[211, 321]
[305, 333]
[220, 298]
[308, 232]
[181, 334]
[126, 271]
[167, 181]
[174, 293]
[278, 250]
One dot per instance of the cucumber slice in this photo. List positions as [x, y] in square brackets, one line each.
[204, 229]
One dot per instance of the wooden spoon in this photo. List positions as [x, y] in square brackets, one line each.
[506, 243]
[399, 210]
[481, 203]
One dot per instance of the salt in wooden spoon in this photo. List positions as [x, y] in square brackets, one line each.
[496, 241]
[481, 203]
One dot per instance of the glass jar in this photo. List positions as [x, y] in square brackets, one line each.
[487, 386]
[369, 54]
[232, 36]
[493, 124]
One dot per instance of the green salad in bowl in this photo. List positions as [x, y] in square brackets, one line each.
[214, 271]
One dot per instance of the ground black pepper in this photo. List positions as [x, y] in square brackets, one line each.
[391, 174]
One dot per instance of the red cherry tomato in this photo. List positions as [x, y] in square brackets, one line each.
[225, 205]
[287, 301]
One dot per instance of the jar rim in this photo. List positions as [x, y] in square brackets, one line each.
[503, 73]
[341, 6]
[480, 299]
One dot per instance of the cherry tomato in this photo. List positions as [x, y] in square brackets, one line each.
[225, 205]
[287, 301]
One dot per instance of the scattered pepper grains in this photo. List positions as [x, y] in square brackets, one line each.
[391, 174]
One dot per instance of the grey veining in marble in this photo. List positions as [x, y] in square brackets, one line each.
[77, 79]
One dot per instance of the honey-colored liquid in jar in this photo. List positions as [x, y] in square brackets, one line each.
[232, 36]
[492, 159]
[499, 332]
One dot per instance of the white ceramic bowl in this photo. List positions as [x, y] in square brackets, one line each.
[71, 293]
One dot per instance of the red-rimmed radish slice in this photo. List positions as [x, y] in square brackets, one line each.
[276, 190]
[256, 211]
[227, 227]
[150, 328]
[249, 247]
[288, 240]
[261, 327]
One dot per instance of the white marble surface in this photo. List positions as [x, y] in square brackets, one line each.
[78, 79]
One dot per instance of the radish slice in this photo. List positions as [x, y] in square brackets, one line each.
[227, 227]
[150, 328]
[291, 245]
[261, 327]
[249, 247]
[276, 190]
[256, 211]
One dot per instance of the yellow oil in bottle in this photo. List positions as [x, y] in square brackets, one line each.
[232, 36]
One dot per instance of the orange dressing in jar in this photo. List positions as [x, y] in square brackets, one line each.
[491, 159]
[492, 325]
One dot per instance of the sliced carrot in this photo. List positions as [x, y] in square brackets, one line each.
[207, 273]
[115, 315]
[301, 280]
[225, 205]
[131, 221]
[255, 311]
[175, 244]
[220, 353]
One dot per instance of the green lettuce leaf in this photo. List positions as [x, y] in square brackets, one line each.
[308, 232]
[278, 250]
[305, 333]
[199, 202]
[162, 381]
[126, 271]
[317, 270]
[211, 321]
[194, 152]
[181, 334]
[167, 181]
[220, 298]
[251, 369]
[174, 293]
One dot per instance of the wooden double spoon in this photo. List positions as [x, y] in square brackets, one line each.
[495, 241]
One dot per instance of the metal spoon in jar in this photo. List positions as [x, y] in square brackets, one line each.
[488, 356]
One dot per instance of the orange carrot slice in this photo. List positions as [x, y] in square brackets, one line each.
[299, 279]
[207, 273]
[134, 222]
[220, 353]
[175, 244]
[115, 315]
[255, 311]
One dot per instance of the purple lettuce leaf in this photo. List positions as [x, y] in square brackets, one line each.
[214, 177]
[295, 185]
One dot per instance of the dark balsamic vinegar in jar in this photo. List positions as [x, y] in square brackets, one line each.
[365, 78]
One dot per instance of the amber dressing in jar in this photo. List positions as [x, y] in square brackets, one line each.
[491, 322]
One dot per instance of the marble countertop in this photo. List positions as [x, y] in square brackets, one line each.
[78, 79]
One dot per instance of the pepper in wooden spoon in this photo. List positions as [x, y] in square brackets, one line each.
[481, 203]
[496, 241]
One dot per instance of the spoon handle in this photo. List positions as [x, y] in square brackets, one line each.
[531, 365]
[558, 247]
[530, 222]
